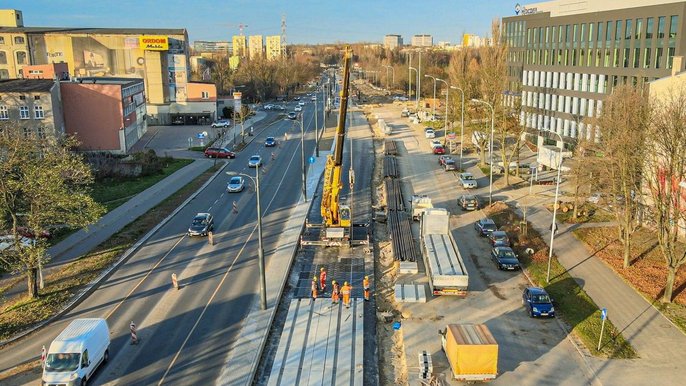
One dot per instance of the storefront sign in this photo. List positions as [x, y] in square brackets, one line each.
[154, 43]
[522, 10]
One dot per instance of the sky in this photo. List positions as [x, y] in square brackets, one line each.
[307, 21]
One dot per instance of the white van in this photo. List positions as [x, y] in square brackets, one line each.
[76, 353]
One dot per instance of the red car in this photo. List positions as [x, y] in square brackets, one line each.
[439, 150]
[219, 152]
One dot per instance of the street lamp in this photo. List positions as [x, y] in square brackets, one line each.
[415, 96]
[557, 192]
[302, 153]
[316, 127]
[490, 188]
[447, 91]
[260, 250]
[433, 107]
[462, 128]
[393, 72]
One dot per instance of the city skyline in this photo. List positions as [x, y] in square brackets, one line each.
[352, 21]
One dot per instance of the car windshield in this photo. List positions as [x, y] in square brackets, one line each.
[507, 254]
[499, 236]
[62, 362]
[199, 221]
[269, 139]
[235, 181]
[467, 177]
[490, 226]
[541, 298]
[255, 158]
[449, 162]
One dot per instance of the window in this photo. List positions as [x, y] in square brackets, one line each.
[205, 95]
[3, 57]
[84, 359]
[637, 53]
[639, 28]
[608, 33]
[4, 113]
[625, 58]
[599, 38]
[670, 57]
[40, 132]
[627, 32]
[36, 97]
[646, 58]
[661, 27]
[18, 40]
[4, 74]
[618, 31]
[26, 132]
[24, 112]
[21, 57]
[658, 57]
[2, 40]
[590, 32]
[649, 28]
[673, 22]
[38, 112]
[22, 97]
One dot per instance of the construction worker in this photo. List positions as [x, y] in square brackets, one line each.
[365, 285]
[345, 291]
[335, 292]
[314, 287]
[322, 279]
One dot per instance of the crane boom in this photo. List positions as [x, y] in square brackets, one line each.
[334, 214]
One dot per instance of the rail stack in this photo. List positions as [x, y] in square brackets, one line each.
[399, 223]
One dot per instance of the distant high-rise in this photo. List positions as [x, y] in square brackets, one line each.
[469, 40]
[213, 47]
[240, 45]
[392, 41]
[274, 47]
[255, 49]
[422, 40]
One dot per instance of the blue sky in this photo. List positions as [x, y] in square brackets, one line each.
[308, 21]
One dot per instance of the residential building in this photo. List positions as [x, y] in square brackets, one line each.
[422, 41]
[32, 105]
[14, 49]
[474, 41]
[212, 47]
[58, 71]
[239, 45]
[274, 49]
[566, 56]
[200, 107]
[255, 48]
[105, 114]
[392, 41]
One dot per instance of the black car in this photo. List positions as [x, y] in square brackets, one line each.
[468, 202]
[292, 115]
[485, 226]
[270, 142]
[499, 239]
[201, 225]
[505, 258]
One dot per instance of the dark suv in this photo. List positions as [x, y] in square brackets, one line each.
[468, 202]
[219, 152]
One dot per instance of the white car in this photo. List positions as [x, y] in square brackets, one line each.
[434, 143]
[429, 133]
[298, 108]
[221, 123]
[468, 181]
[255, 161]
[236, 184]
[301, 103]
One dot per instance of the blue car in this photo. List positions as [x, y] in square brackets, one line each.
[270, 142]
[485, 227]
[537, 302]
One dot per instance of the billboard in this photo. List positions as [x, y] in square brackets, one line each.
[177, 76]
[154, 42]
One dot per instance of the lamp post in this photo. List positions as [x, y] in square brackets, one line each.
[433, 105]
[302, 153]
[316, 127]
[462, 126]
[393, 72]
[490, 188]
[409, 77]
[553, 225]
[260, 249]
[447, 91]
[415, 96]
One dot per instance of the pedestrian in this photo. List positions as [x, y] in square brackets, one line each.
[235, 207]
[345, 291]
[322, 279]
[175, 281]
[365, 285]
[335, 292]
[43, 356]
[273, 156]
[285, 135]
[134, 333]
[210, 237]
[313, 288]
[553, 228]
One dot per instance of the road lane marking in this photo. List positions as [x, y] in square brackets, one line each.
[226, 274]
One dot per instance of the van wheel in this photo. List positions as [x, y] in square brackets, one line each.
[106, 357]
[84, 382]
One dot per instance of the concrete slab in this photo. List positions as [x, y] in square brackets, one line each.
[408, 267]
[410, 293]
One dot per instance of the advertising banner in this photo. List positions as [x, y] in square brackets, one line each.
[154, 42]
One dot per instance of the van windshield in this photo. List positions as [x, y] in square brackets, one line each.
[62, 362]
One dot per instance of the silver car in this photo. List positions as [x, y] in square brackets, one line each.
[236, 184]
[468, 181]
[255, 161]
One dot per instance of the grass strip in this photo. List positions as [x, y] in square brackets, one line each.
[61, 285]
[572, 304]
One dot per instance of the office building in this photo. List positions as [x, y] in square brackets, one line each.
[211, 47]
[474, 41]
[567, 56]
[255, 48]
[32, 105]
[274, 49]
[422, 41]
[239, 46]
[392, 42]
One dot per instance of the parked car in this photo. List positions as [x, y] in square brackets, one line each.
[219, 152]
[201, 225]
[439, 150]
[292, 115]
[499, 239]
[298, 108]
[296, 98]
[301, 103]
[485, 226]
[442, 159]
[236, 184]
[468, 202]
[468, 181]
[505, 258]
[430, 133]
[405, 113]
[449, 165]
[221, 123]
[596, 198]
[313, 98]
[434, 143]
[537, 302]
[268, 107]
[270, 142]
[255, 161]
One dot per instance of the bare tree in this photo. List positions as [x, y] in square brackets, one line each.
[666, 169]
[623, 122]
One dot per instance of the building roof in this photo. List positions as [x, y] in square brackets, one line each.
[105, 80]
[96, 31]
[26, 85]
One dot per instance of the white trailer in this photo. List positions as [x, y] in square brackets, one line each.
[419, 205]
[445, 267]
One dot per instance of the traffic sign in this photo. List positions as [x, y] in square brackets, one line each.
[311, 160]
[201, 135]
[451, 136]
[603, 314]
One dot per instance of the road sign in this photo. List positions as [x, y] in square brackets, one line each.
[201, 135]
[311, 160]
[603, 314]
[451, 136]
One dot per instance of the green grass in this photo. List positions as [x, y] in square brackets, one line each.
[113, 192]
[572, 304]
[198, 148]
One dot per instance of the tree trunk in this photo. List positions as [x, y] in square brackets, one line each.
[627, 247]
[575, 214]
[32, 276]
[671, 275]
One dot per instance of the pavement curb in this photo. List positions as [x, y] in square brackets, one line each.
[85, 292]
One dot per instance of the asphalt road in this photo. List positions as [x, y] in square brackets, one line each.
[185, 335]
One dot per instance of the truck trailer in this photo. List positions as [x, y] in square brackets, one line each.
[472, 352]
[444, 264]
